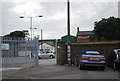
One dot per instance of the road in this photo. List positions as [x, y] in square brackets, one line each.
[48, 69]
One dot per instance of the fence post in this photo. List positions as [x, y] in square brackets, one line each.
[25, 51]
[36, 51]
[56, 49]
[0, 58]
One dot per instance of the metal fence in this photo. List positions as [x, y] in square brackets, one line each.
[19, 52]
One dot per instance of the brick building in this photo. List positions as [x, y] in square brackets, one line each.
[84, 36]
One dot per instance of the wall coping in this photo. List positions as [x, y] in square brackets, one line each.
[103, 42]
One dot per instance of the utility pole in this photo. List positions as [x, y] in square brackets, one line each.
[68, 36]
[68, 8]
[31, 26]
[41, 39]
[34, 31]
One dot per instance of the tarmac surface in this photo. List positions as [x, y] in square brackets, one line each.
[48, 69]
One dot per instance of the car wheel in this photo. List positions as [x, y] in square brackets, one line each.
[77, 64]
[39, 57]
[80, 67]
[114, 66]
[51, 56]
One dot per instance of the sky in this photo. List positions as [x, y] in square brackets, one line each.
[54, 21]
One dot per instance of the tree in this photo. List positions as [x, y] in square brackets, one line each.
[107, 29]
[17, 34]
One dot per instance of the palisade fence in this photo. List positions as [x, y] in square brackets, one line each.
[17, 52]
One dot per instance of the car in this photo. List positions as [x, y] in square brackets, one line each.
[90, 58]
[46, 54]
[113, 59]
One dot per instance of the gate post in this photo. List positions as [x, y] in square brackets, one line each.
[0, 58]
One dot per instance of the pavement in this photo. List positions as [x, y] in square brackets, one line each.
[48, 69]
[11, 68]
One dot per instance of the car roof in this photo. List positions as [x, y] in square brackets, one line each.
[91, 50]
[115, 50]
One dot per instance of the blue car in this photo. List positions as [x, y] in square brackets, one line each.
[90, 58]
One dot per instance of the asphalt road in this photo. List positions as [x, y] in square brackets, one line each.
[48, 69]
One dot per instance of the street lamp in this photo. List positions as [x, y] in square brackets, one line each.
[34, 31]
[31, 22]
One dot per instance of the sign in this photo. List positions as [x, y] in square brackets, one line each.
[5, 47]
[68, 54]
[83, 36]
[68, 48]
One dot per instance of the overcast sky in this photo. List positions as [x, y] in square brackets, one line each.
[54, 20]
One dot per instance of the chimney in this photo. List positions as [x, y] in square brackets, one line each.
[77, 29]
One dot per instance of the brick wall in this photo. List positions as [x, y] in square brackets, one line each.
[104, 48]
[83, 40]
[61, 53]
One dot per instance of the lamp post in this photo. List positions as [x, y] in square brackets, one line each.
[31, 24]
[34, 31]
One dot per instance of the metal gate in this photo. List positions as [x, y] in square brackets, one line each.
[17, 52]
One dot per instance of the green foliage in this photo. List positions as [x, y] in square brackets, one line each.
[108, 29]
[17, 34]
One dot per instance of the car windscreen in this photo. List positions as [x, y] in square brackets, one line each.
[118, 52]
[92, 52]
[41, 52]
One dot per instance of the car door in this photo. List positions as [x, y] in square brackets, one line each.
[43, 54]
[48, 54]
[111, 58]
[118, 52]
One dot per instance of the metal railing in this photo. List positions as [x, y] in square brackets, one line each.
[18, 51]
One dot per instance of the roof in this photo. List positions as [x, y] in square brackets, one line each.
[65, 38]
[81, 33]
